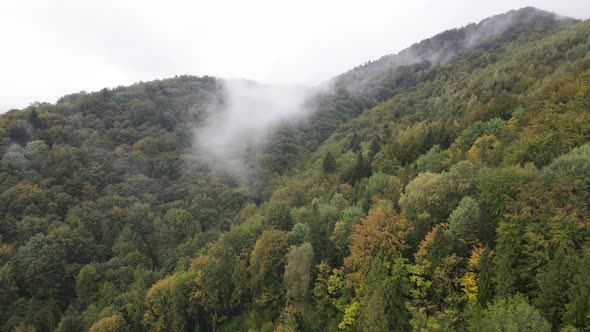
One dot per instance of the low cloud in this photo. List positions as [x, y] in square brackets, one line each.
[245, 118]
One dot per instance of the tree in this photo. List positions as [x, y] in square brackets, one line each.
[177, 225]
[573, 167]
[354, 143]
[88, 283]
[380, 185]
[215, 283]
[382, 234]
[510, 314]
[329, 163]
[578, 307]
[13, 161]
[386, 306]
[554, 282]
[40, 268]
[36, 152]
[267, 263]
[71, 321]
[343, 229]
[297, 276]
[8, 289]
[485, 278]
[114, 323]
[436, 272]
[495, 186]
[360, 170]
[299, 234]
[430, 198]
[323, 303]
[166, 306]
[463, 221]
[278, 215]
[374, 148]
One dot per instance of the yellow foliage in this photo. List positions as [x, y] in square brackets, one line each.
[469, 280]
[350, 314]
[482, 148]
[114, 323]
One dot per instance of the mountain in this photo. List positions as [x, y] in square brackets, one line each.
[446, 46]
[365, 86]
[445, 187]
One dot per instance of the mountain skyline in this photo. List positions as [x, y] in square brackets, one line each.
[59, 49]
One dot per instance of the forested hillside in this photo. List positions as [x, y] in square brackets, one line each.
[443, 188]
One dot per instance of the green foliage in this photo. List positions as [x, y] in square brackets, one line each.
[410, 198]
[495, 187]
[343, 229]
[432, 161]
[13, 161]
[297, 278]
[329, 163]
[267, 264]
[299, 234]
[573, 167]
[463, 221]
[510, 314]
[578, 306]
[278, 215]
[385, 308]
[166, 306]
[430, 198]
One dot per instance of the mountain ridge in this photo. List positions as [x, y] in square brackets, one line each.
[445, 46]
[442, 197]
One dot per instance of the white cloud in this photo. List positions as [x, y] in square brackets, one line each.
[250, 114]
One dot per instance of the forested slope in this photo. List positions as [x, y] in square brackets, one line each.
[422, 195]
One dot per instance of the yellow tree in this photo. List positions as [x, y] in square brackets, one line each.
[382, 234]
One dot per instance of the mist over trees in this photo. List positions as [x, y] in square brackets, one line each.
[430, 196]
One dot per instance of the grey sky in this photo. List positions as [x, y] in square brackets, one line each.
[52, 48]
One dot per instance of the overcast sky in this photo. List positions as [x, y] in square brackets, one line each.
[52, 48]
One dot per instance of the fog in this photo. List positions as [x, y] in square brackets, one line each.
[250, 112]
[247, 116]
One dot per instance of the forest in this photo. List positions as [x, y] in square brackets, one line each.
[421, 195]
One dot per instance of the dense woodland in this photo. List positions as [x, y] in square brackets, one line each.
[436, 197]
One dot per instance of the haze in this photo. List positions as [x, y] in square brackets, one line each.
[52, 48]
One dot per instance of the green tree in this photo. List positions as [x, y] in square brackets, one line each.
[167, 306]
[554, 282]
[578, 307]
[278, 215]
[8, 288]
[297, 274]
[329, 163]
[267, 264]
[386, 306]
[343, 228]
[464, 220]
[177, 225]
[299, 234]
[511, 314]
[39, 266]
[13, 161]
